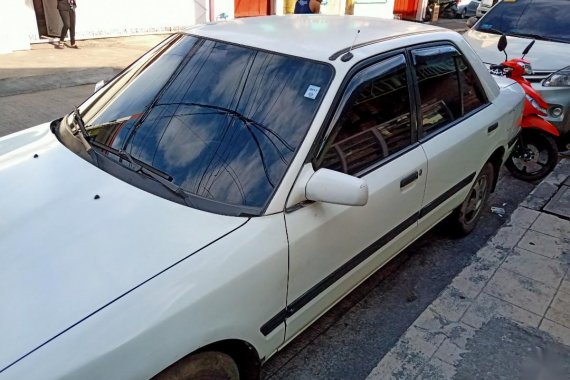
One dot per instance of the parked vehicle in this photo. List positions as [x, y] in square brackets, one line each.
[546, 22]
[484, 6]
[216, 197]
[467, 8]
[535, 154]
[444, 8]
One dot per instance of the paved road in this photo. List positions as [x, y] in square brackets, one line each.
[348, 341]
[22, 111]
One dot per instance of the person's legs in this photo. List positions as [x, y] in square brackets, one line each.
[72, 27]
[66, 21]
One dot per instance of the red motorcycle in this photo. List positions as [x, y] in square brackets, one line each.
[536, 152]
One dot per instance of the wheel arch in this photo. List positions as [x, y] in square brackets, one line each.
[496, 160]
[243, 353]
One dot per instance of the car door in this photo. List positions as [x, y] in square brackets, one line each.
[372, 135]
[457, 127]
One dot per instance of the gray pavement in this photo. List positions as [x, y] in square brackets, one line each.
[507, 314]
[22, 111]
[46, 68]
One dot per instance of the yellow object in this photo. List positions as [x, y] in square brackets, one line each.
[289, 6]
[435, 15]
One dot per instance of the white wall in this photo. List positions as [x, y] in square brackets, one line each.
[374, 8]
[112, 17]
[223, 7]
[17, 25]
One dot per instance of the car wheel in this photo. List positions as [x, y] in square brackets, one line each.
[208, 365]
[465, 217]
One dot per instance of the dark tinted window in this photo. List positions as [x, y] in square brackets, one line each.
[448, 87]
[539, 19]
[374, 122]
[223, 120]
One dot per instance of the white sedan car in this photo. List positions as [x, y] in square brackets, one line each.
[220, 194]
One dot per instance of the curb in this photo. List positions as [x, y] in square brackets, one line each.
[36, 83]
[487, 289]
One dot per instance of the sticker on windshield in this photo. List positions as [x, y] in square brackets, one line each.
[312, 92]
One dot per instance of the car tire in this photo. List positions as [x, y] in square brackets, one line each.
[464, 219]
[209, 365]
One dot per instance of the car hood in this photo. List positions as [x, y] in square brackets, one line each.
[64, 255]
[545, 56]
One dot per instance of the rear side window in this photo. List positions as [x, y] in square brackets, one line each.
[448, 87]
[538, 19]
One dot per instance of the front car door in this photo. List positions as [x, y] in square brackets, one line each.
[372, 135]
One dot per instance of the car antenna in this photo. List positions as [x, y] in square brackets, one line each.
[348, 55]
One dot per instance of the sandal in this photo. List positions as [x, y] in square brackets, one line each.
[60, 45]
[74, 46]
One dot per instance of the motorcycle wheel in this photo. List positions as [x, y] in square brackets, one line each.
[534, 158]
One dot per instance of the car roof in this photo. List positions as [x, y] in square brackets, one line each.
[310, 36]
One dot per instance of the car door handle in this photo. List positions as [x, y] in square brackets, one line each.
[492, 127]
[409, 179]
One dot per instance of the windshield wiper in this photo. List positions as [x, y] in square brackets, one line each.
[83, 135]
[141, 167]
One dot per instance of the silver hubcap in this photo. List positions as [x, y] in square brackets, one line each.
[475, 199]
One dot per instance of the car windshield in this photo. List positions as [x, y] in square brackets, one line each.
[537, 19]
[223, 120]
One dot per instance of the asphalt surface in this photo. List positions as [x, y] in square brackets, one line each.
[525, 353]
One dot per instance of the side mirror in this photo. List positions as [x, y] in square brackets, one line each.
[334, 187]
[99, 84]
[471, 21]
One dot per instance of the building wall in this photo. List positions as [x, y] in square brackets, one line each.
[110, 17]
[376, 8]
[99, 18]
[17, 25]
[96, 18]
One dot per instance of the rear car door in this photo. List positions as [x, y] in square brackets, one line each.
[372, 135]
[457, 127]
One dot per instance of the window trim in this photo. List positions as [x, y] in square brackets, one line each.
[341, 98]
[422, 138]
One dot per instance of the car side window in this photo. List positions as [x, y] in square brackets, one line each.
[448, 87]
[374, 120]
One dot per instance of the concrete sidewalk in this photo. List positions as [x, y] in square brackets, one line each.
[507, 314]
[46, 68]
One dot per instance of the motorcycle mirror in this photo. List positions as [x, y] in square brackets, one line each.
[527, 49]
[502, 45]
